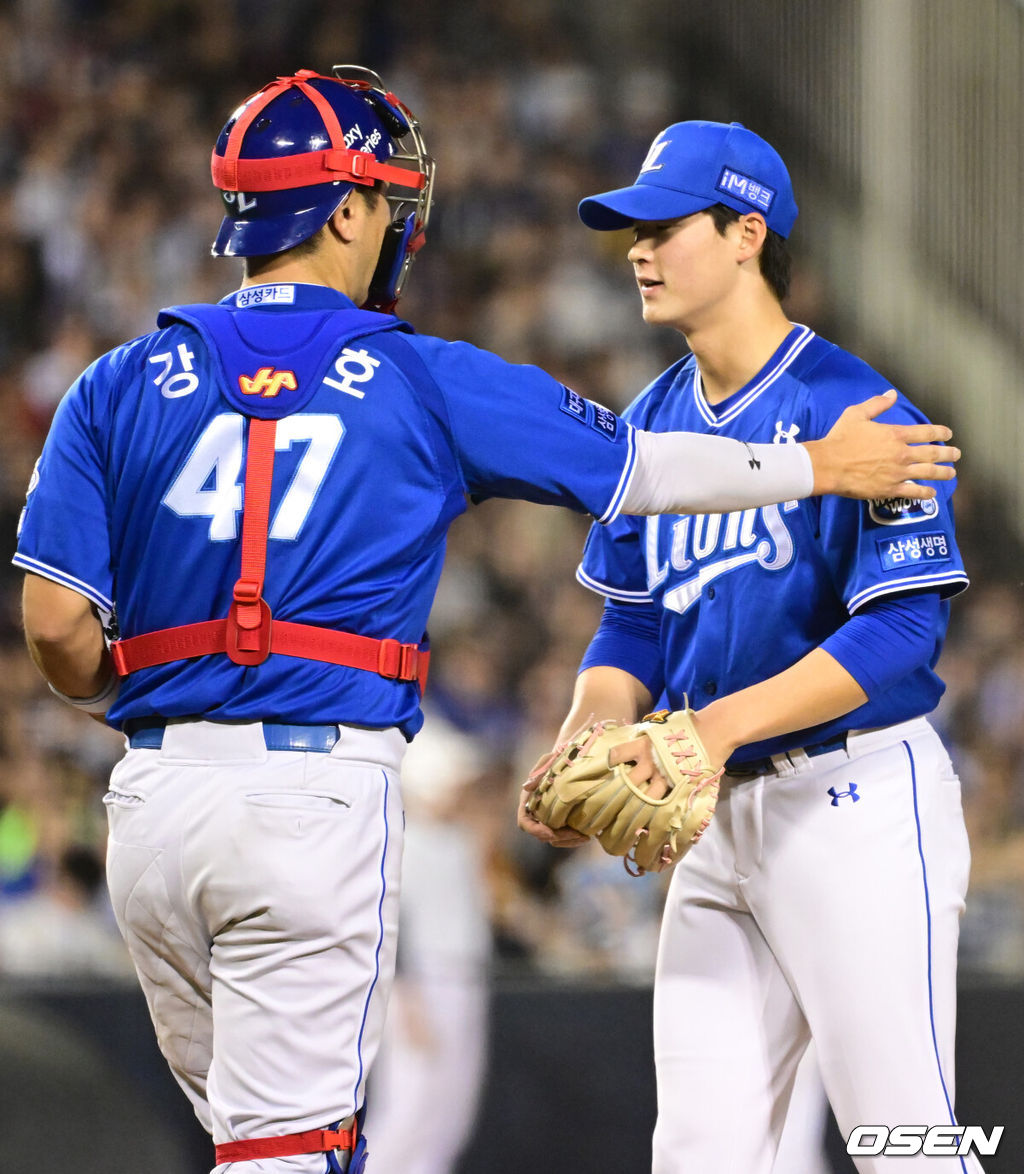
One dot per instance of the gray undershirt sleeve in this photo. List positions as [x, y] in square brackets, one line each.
[689, 473]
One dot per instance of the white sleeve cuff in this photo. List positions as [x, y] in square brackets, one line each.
[98, 704]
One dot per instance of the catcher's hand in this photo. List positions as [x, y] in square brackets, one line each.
[586, 785]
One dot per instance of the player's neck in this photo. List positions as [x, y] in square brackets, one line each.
[732, 349]
[319, 268]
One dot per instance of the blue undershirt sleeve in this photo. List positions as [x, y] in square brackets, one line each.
[887, 639]
[629, 638]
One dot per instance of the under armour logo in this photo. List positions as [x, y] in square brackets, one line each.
[267, 382]
[754, 462]
[785, 435]
[851, 793]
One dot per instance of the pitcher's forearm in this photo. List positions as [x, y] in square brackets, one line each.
[815, 690]
[605, 692]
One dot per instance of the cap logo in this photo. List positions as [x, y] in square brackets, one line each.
[240, 199]
[742, 187]
[651, 162]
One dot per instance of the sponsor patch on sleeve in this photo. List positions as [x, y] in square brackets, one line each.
[899, 511]
[603, 420]
[914, 550]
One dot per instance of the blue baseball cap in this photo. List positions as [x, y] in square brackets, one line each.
[692, 165]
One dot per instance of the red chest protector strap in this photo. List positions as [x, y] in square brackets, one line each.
[249, 633]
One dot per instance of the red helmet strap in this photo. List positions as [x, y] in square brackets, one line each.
[323, 106]
[232, 174]
[229, 165]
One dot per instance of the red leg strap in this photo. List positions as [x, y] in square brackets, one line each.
[314, 1141]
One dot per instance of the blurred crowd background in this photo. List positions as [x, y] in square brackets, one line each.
[108, 111]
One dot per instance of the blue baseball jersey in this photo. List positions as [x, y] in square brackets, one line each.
[742, 596]
[136, 501]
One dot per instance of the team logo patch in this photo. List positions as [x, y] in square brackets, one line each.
[897, 554]
[261, 295]
[742, 187]
[603, 420]
[267, 382]
[898, 511]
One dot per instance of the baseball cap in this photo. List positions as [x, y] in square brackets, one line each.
[692, 165]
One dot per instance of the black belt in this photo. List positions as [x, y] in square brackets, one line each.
[147, 733]
[761, 766]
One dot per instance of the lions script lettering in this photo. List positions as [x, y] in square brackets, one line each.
[704, 547]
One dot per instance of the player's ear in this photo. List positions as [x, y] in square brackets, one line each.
[344, 221]
[753, 231]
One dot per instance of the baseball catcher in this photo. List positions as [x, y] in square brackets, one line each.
[647, 790]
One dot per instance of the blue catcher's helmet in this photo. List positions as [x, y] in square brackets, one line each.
[293, 151]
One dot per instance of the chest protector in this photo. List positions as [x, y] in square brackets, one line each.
[306, 343]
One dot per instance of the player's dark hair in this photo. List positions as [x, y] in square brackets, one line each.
[254, 266]
[774, 260]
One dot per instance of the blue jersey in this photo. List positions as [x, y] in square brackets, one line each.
[740, 597]
[136, 500]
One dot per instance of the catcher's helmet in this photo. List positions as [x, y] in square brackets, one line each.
[293, 151]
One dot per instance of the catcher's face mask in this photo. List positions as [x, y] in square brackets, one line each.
[410, 212]
[293, 151]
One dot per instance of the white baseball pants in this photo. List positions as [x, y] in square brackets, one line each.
[258, 893]
[823, 900]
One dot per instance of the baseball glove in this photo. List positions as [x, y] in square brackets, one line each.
[652, 824]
